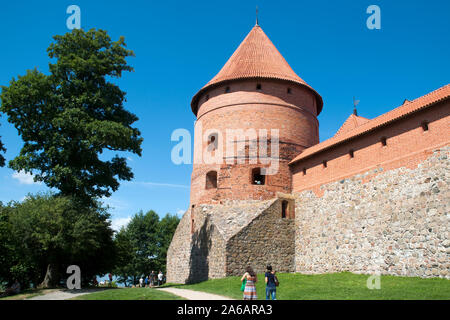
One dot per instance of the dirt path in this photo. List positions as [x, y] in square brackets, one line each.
[185, 293]
[194, 295]
[64, 294]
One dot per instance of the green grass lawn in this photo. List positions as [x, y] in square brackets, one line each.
[333, 286]
[129, 294]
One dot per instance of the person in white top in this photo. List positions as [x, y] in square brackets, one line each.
[160, 278]
[141, 282]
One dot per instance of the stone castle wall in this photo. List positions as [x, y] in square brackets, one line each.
[179, 252]
[214, 241]
[208, 250]
[385, 220]
[396, 222]
[197, 250]
[268, 239]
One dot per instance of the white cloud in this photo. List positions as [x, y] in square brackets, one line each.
[118, 223]
[24, 178]
[180, 212]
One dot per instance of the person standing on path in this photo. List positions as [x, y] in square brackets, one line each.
[271, 287]
[250, 288]
[152, 278]
[160, 278]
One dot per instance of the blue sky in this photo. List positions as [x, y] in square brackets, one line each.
[181, 45]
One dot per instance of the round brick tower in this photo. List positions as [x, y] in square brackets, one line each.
[254, 101]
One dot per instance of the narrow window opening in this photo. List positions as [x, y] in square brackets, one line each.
[383, 141]
[211, 180]
[289, 91]
[212, 141]
[257, 177]
[258, 86]
[227, 89]
[304, 171]
[192, 219]
[284, 208]
[351, 154]
[425, 126]
[207, 97]
[324, 163]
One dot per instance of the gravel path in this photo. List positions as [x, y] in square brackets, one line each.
[185, 293]
[194, 295]
[63, 294]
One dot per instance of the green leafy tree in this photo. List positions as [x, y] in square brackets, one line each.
[67, 119]
[6, 250]
[47, 233]
[167, 227]
[125, 252]
[143, 232]
[142, 245]
[2, 149]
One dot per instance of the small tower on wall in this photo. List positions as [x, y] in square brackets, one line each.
[253, 118]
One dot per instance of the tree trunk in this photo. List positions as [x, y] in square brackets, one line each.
[50, 279]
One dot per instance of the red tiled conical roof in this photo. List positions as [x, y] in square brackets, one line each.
[256, 57]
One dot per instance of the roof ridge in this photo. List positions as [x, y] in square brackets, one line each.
[354, 119]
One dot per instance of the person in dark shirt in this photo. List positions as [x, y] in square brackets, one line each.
[152, 278]
[271, 288]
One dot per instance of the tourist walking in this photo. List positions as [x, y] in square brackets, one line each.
[271, 283]
[250, 288]
[160, 278]
[141, 282]
[152, 278]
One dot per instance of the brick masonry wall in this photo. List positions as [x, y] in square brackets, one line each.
[244, 107]
[407, 145]
[397, 222]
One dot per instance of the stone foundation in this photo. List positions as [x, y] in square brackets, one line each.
[396, 223]
[268, 239]
[224, 239]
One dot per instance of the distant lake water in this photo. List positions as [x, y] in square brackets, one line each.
[106, 277]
